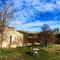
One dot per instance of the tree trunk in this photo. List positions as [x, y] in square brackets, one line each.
[1, 39]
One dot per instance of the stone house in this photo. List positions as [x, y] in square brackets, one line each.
[13, 36]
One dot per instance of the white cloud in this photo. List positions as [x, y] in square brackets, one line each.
[45, 6]
[42, 5]
[52, 24]
[31, 26]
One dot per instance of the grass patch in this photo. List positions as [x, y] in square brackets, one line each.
[21, 53]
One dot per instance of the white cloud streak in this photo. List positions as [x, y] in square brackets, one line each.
[52, 24]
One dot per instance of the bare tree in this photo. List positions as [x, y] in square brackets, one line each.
[6, 14]
[47, 35]
[45, 27]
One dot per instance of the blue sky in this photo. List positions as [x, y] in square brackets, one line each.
[32, 14]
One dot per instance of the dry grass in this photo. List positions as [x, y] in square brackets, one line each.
[52, 49]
